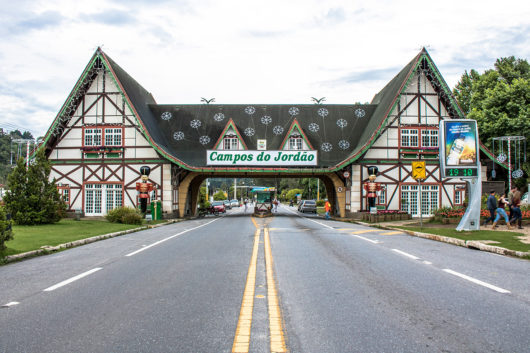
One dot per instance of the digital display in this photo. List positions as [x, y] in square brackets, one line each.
[461, 172]
[460, 143]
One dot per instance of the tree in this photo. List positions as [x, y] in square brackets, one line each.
[6, 232]
[31, 197]
[498, 100]
[219, 196]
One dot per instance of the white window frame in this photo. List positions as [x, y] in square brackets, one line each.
[410, 199]
[296, 143]
[409, 138]
[101, 198]
[93, 136]
[113, 136]
[429, 138]
[230, 143]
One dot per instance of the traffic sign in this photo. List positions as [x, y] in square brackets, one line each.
[418, 170]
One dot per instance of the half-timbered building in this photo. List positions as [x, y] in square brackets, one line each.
[110, 126]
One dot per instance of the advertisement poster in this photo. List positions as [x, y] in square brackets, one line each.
[460, 143]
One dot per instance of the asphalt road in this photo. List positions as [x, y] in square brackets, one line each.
[286, 283]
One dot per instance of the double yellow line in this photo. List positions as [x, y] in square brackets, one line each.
[244, 325]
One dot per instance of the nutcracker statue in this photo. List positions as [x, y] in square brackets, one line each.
[372, 187]
[144, 188]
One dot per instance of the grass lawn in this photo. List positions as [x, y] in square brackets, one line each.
[507, 240]
[27, 238]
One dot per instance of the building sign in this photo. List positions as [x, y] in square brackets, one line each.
[261, 158]
[262, 145]
[459, 148]
[418, 170]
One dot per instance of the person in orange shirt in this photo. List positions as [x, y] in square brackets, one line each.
[327, 207]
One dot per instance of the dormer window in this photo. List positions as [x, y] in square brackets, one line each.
[295, 142]
[230, 142]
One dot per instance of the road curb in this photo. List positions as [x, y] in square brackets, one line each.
[470, 244]
[45, 250]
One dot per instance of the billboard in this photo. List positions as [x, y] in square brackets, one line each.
[459, 151]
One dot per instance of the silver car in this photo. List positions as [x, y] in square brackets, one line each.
[308, 206]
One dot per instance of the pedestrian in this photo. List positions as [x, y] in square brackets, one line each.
[246, 205]
[502, 203]
[275, 203]
[517, 216]
[327, 207]
[492, 206]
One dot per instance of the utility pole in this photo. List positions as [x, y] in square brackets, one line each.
[22, 141]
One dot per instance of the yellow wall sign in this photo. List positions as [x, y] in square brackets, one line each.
[418, 170]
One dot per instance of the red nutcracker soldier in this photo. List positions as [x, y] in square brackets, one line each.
[144, 188]
[372, 188]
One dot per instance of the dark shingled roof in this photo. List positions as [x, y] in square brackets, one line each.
[182, 133]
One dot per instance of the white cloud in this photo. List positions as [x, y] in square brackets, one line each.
[245, 51]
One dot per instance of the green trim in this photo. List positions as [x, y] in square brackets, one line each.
[446, 89]
[296, 124]
[378, 132]
[69, 99]
[81, 161]
[236, 130]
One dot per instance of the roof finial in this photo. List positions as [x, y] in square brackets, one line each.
[207, 101]
[319, 100]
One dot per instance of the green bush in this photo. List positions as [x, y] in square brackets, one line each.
[126, 215]
[321, 203]
[6, 232]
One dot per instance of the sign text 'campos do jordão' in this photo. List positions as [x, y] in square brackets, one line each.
[261, 158]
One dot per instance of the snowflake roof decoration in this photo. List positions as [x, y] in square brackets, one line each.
[343, 144]
[166, 116]
[195, 123]
[294, 111]
[219, 117]
[179, 135]
[502, 157]
[323, 112]
[266, 120]
[326, 147]
[360, 113]
[277, 130]
[250, 110]
[313, 127]
[342, 123]
[204, 140]
[250, 131]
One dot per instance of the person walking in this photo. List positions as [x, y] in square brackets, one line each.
[492, 206]
[516, 208]
[327, 207]
[246, 205]
[501, 212]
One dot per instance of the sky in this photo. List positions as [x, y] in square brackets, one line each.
[243, 51]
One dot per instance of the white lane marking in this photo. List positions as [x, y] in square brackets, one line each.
[171, 237]
[427, 262]
[363, 238]
[322, 224]
[309, 219]
[70, 280]
[406, 254]
[10, 304]
[476, 281]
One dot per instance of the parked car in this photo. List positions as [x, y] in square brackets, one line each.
[219, 206]
[228, 205]
[234, 203]
[307, 206]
